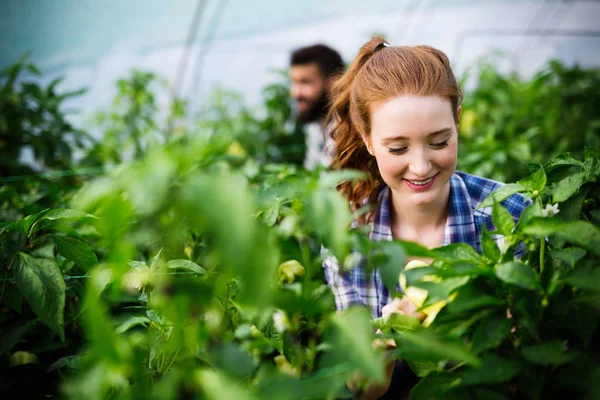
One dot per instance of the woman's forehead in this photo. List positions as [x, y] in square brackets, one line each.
[409, 115]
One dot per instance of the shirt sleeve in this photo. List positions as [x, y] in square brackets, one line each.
[340, 282]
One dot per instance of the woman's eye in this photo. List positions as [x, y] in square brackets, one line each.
[440, 145]
[398, 150]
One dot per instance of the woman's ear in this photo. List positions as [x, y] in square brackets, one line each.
[367, 142]
[458, 112]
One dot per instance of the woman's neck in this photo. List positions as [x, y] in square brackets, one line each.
[423, 224]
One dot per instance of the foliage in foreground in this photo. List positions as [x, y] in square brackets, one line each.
[194, 270]
[210, 280]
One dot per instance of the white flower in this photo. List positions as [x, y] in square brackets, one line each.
[136, 280]
[550, 210]
[280, 321]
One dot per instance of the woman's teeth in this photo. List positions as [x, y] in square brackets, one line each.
[421, 183]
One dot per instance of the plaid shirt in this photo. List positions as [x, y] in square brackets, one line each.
[464, 225]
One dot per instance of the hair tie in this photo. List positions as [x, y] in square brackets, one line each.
[380, 46]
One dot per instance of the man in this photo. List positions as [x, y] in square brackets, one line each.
[313, 72]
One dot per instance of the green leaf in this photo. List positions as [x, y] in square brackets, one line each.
[391, 264]
[490, 333]
[332, 179]
[396, 322]
[42, 284]
[584, 278]
[131, 322]
[493, 369]
[503, 221]
[501, 193]
[549, 353]
[580, 233]
[76, 250]
[531, 211]
[12, 334]
[463, 268]
[7, 225]
[518, 274]
[217, 386]
[329, 216]
[568, 186]
[27, 222]
[271, 214]
[591, 300]
[98, 326]
[71, 362]
[435, 386]
[66, 213]
[489, 246]
[186, 265]
[415, 249]
[234, 359]
[565, 159]
[536, 181]
[457, 252]
[468, 298]
[441, 290]
[422, 369]
[353, 331]
[138, 265]
[569, 255]
[155, 260]
[424, 345]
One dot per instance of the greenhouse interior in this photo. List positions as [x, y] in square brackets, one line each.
[226, 199]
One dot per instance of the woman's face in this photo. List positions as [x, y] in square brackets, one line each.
[414, 140]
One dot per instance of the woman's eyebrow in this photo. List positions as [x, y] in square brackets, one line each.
[429, 135]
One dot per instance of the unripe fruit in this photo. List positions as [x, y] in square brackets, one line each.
[418, 296]
[22, 357]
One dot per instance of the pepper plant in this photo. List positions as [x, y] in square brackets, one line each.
[515, 328]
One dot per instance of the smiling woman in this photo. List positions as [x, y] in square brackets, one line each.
[395, 115]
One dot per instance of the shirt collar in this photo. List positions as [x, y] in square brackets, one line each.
[460, 226]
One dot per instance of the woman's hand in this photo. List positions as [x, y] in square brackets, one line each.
[402, 306]
[398, 306]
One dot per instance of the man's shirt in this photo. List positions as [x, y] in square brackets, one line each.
[318, 146]
[464, 225]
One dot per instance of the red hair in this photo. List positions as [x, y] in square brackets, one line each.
[377, 74]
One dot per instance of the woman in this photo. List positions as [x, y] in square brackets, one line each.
[395, 115]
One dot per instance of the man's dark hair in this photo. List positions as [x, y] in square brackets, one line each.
[329, 61]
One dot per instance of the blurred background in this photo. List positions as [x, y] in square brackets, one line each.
[202, 44]
[122, 74]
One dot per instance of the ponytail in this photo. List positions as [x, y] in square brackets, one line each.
[347, 132]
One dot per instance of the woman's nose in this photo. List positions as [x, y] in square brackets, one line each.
[420, 164]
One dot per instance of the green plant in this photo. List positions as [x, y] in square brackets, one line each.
[515, 328]
[271, 138]
[132, 125]
[508, 122]
[32, 117]
[39, 300]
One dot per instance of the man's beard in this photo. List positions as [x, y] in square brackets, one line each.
[317, 110]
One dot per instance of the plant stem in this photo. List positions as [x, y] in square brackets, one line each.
[542, 251]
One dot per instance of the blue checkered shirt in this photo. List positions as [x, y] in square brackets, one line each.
[464, 225]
